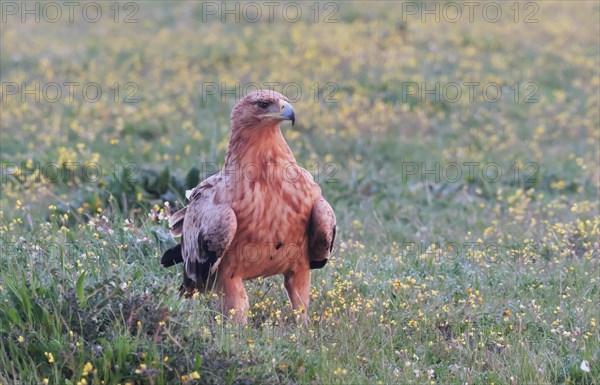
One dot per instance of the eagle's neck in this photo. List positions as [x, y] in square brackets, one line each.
[258, 147]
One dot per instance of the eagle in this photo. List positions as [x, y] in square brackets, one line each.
[260, 215]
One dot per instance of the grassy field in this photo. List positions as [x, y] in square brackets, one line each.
[468, 223]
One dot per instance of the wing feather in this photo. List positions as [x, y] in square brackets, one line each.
[176, 222]
[322, 229]
[208, 229]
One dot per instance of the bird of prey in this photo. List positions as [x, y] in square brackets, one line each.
[261, 215]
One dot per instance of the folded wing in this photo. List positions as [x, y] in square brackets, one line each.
[207, 229]
[321, 234]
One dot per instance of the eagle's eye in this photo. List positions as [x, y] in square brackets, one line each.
[263, 105]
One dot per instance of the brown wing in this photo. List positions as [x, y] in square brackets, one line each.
[321, 233]
[208, 228]
[176, 219]
[176, 222]
[173, 255]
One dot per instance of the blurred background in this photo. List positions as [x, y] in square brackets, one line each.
[380, 88]
[425, 123]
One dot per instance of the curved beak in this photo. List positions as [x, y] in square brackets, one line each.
[286, 111]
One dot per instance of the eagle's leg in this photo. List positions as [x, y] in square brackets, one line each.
[234, 299]
[297, 285]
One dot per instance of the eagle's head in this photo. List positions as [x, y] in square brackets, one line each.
[261, 108]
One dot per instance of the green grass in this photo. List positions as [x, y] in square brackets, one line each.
[443, 281]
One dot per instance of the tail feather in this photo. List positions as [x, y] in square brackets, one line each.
[172, 256]
[201, 282]
[318, 264]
